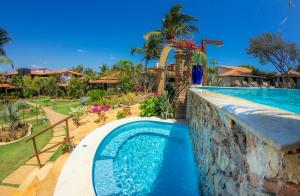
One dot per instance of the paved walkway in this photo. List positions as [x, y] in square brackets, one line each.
[19, 175]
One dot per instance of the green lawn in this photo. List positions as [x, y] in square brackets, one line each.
[12, 156]
[46, 101]
[65, 109]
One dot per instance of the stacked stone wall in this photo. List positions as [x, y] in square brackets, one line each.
[231, 160]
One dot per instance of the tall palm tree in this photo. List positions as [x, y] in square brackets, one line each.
[4, 39]
[151, 49]
[174, 24]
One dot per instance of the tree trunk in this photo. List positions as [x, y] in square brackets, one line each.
[146, 75]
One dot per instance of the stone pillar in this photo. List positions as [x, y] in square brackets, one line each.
[182, 74]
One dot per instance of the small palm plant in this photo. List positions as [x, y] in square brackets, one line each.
[11, 115]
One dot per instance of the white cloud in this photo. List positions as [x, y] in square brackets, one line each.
[80, 50]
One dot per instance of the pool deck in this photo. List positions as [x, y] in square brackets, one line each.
[76, 177]
[277, 127]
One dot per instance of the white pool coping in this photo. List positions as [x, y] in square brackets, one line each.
[76, 175]
[277, 127]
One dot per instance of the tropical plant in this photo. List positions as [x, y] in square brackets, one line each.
[198, 57]
[213, 79]
[50, 87]
[84, 101]
[128, 99]
[76, 114]
[175, 24]
[149, 107]
[78, 68]
[10, 113]
[96, 94]
[150, 51]
[130, 75]
[90, 73]
[272, 48]
[214, 62]
[4, 39]
[161, 106]
[28, 87]
[77, 87]
[104, 70]
[165, 106]
[121, 114]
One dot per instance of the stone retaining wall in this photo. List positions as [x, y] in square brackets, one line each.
[233, 161]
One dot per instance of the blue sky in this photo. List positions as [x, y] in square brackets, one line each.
[60, 34]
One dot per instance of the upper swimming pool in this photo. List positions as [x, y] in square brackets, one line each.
[287, 99]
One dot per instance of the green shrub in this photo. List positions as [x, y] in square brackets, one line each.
[166, 109]
[128, 99]
[160, 106]
[121, 114]
[96, 94]
[149, 107]
[77, 113]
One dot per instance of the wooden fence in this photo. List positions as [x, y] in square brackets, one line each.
[67, 139]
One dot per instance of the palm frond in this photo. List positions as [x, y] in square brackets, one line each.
[154, 34]
[137, 51]
[5, 60]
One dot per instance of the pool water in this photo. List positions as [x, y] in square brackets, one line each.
[146, 158]
[287, 99]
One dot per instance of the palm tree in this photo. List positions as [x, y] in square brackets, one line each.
[174, 24]
[151, 49]
[4, 39]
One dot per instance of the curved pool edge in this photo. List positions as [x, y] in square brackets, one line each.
[76, 177]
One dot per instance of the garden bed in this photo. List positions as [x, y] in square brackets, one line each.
[22, 133]
[9, 136]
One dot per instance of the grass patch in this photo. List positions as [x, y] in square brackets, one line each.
[56, 154]
[14, 155]
[46, 101]
[65, 109]
[9, 184]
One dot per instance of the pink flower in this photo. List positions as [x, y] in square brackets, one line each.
[104, 108]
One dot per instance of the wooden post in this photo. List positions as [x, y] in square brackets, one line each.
[37, 114]
[36, 153]
[68, 136]
[23, 116]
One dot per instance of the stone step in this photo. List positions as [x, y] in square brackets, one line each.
[39, 173]
[7, 190]
[44, 157]
[19, 175]
[105, 177]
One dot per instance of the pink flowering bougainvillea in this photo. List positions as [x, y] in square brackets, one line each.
[97, 108]
[185, 45]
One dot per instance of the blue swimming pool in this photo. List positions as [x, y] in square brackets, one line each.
[287, 99]
[146, 158]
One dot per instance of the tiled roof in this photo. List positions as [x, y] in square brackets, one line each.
[104, 81]
[5, 85]
[11, 74]
[292, 73]
[236, 71]
[68, 71]
[46, 72]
